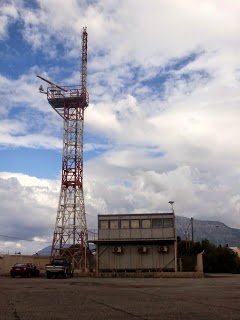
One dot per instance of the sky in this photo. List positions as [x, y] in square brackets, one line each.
[162, 123]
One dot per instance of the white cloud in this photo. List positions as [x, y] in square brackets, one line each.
[28, 207]
[22, 92]
[34, 141]
[27, 120]
[8, 15]
[165, 130]
[113, 188]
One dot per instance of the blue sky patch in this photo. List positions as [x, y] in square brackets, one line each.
[39, 163]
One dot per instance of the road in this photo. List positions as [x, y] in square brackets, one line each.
[119, 298]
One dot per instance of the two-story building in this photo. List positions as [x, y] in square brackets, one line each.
[136, 243]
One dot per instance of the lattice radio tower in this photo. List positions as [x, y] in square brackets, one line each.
[70, 233]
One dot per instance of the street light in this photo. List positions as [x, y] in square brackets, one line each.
[171, 203]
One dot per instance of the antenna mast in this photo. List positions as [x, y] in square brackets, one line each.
[84, 61]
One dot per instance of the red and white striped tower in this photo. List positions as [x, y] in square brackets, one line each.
[70, 233]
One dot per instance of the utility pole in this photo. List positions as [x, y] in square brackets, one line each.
[175, 236]
[192, 229]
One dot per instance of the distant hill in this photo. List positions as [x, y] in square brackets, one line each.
[216, 232]
[47, 250]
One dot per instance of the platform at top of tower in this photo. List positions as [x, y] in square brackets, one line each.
[57, 97]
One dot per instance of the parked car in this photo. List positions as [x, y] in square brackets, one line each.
[24, 270]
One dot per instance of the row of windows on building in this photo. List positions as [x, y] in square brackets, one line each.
[155, 223]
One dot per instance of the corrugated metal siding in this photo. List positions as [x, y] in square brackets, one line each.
[131, 259]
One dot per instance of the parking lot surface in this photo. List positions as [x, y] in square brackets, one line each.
[117, 298]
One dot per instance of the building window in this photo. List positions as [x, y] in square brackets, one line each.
[156, 223]
[168, 223]
[146, 223]
[114, 224]
[103, 224]
[135, 224]
[124, 224]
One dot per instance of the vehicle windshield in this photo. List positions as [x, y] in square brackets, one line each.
[59, 261]
[20, 265]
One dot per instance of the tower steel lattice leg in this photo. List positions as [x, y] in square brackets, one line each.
[70, 234]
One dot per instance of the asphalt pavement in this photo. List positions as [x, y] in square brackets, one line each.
[120, 298]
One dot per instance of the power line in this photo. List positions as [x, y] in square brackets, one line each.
[38, 241]
[30, 240]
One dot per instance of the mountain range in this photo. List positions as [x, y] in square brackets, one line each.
[216, 232]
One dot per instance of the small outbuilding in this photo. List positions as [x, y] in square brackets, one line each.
[136, 243]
